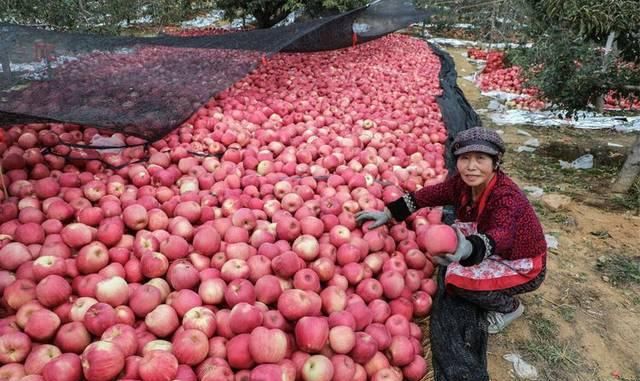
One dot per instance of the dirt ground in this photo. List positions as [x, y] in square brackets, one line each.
[584, 322]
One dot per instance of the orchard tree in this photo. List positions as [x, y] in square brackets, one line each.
[584, 49]
[266, 12]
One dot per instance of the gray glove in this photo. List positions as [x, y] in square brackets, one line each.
[380, 217]
[463, 251]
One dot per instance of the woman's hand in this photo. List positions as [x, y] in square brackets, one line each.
[380, 217]
[463, 251]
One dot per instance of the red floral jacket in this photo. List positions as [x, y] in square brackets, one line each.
[508, 222]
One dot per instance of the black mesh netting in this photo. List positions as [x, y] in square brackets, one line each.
[458, 328]
[455, 109]
[146, 87]
[458, 337]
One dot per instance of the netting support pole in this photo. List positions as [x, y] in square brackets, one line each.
[608, 47]
[4, 186]
[630, 170]
[5, 61]
[6, 64]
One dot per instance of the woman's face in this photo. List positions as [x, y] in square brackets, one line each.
[476, 168]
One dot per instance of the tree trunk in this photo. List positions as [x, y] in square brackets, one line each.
[630, 170]
[607, 50]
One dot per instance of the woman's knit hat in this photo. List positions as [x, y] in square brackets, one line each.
[478, 139]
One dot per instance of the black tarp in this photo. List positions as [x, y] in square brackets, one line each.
[458, 328]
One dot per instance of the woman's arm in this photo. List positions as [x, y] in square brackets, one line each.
[445, 193]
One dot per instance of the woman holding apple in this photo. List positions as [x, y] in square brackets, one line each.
[501, 249]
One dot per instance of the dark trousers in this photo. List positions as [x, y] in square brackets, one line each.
[499, 300]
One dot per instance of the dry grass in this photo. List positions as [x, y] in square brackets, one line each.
[426, 344]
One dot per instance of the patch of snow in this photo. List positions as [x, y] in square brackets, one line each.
[503, 96]
[464, 26]
[237, 23]
[586, 120]
[209, 19]
[471, 78]
[494, 105]
[142, 20]
[290, 19]
[456, 43]
[38, 70]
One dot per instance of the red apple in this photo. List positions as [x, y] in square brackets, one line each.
[124, 336]
[72, 337]
[190, 346]
[14, 347]
[99, 317]
[53, 290]
[113, 291]
[158, 366]
[200, 318]
[364, 348]
[342, 339]
[293, 304]
[238, 353]
[244, 318]
[102, 361]
[268, 345]
[39, 357]
[317, 368]
[66, 367]
[162, 321]
[312, 333]
[42, 325]
[212, 291]
[344, 368]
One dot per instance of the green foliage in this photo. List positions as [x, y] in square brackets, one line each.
[110, 15]
[565, 69]
[266, 12]
[590, 17]
[95, 15]
[270, 12]
[316, 8]
[567, 61]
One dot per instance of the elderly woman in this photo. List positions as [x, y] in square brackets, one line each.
[501, 250]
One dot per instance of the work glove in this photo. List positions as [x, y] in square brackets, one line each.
[380, 217]
[463, 251]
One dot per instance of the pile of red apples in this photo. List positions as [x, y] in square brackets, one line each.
[232, 253]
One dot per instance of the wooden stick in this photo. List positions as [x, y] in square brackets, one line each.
[4, 186]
